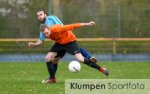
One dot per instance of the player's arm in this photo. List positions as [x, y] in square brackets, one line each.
[62, 28]
[91, 23]
[34, 44]
[37, 43]
[72, 26]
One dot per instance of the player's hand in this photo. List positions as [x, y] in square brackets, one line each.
[31, 44]
[91, 23]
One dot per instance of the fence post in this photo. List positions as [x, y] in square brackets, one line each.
[49, 7]
[114, 47]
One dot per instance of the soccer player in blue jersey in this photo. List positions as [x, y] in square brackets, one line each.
[52, 67]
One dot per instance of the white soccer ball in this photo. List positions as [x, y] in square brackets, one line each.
[74, 66]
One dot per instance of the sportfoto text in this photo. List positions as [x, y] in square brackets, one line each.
[110, 86]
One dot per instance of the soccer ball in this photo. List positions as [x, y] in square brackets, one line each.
[74, 66]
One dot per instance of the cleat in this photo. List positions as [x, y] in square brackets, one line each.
[106, 72]
[51, 80]
[93, 59]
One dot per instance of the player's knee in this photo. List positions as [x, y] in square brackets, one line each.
[79, 57]
[48, 59]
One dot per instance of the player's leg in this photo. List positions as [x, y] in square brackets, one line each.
[52, 68]
[60, 54]
[86, 61]
[73, 49]
[86, 54]
[55, 63]
[50, 58]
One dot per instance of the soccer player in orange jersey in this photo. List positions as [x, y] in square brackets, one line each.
[50, 20]
[66, 40]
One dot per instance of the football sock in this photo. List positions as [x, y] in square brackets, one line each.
[85, 53]
[50, 68]
[55, 68]
[93, 65]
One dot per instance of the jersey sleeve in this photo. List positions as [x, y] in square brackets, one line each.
[41, 37]
[62, 28]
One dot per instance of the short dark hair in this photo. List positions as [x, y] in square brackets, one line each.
[42, 27]
[43, 12]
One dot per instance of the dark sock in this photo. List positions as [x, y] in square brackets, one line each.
[50, 68]
[89, 63]
[55, 68]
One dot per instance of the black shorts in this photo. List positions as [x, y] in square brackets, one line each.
[71, 48]
[60, 54]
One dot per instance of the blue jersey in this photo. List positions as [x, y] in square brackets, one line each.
[49, 21]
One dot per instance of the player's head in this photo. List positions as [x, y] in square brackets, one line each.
[46, 32]
[41, 15]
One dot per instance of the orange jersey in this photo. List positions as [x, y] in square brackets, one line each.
[63, 34]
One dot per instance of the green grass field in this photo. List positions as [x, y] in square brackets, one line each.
[25, 78]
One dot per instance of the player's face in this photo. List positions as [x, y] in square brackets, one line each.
[46, 32]
[41, 16]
